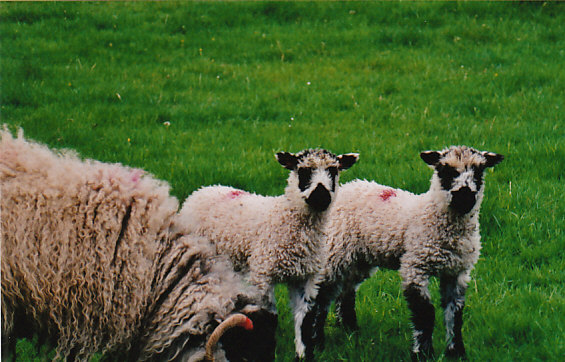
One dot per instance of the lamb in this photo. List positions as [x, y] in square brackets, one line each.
[90, 261]
[274, 239]
[432, 234]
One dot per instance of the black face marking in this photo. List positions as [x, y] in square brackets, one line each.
[319, 199]
[333, 175]
[463, 200]
[478, 175]
[304, 177]
[446, 175]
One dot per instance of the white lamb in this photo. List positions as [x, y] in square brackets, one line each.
[432, 234]
[274, 239]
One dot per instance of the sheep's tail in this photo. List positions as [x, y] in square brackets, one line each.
[235, 320]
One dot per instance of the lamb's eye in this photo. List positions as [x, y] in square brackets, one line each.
[451, 172]
[446, 174]
[478, 175]
[304, 176]
[333, 174]
[446, 171]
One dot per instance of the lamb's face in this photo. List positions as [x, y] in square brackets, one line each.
[459, 172]
[315, 174]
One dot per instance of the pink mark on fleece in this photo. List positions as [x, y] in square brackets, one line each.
[136, 175]
[387, 194]
[237, 193]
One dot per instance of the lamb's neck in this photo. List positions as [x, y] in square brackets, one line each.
[434, 209]
[294, 210]
[304, 216]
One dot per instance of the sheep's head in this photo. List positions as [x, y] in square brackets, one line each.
[459, 173]
[315, 174]
[252, 344]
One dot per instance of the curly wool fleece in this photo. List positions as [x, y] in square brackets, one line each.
[89, 260]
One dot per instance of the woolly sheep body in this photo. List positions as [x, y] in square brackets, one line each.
[372, 225]
[89, 259]
[242, 226]
[391, 227]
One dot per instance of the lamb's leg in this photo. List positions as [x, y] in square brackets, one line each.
[423, 317]
[452, 289]
[302, 297]
[317, 315]
[345, 309]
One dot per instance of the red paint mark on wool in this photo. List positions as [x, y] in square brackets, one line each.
[387, 194]
[237, 193]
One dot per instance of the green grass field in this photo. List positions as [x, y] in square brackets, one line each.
[206, 93]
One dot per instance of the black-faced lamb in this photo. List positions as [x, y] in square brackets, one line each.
[432, 234]
[274, 239]
[89, 261]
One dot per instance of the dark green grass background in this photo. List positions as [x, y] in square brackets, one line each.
[205, 93]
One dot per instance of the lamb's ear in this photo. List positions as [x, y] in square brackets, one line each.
[287, 160]
[347, 160]
[430, 157]
[492, 158]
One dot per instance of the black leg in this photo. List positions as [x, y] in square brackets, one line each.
[423, 317]
[452, 290]
[318, 337]
[345, 309]
[308, 333]
[312, 330]
[302, 299]
[313, 326]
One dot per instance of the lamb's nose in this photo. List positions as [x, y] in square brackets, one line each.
[319, 199]
[463, 200]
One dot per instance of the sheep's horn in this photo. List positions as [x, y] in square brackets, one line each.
[234, 320]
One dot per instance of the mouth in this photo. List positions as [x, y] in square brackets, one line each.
[463, 200]
[320, 199]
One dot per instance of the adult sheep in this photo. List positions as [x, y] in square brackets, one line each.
[89, 261]
[274, 239]
[432, 234]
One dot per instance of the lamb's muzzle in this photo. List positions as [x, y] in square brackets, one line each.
[319, 199]
[463, 200]
[236, 320]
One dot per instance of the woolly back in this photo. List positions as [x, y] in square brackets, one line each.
[79, 244]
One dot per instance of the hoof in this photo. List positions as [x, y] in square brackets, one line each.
[423, 355]
[457, 352]
[309, 357]
[350, 324]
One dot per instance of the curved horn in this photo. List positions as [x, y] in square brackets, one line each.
[234, 320]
